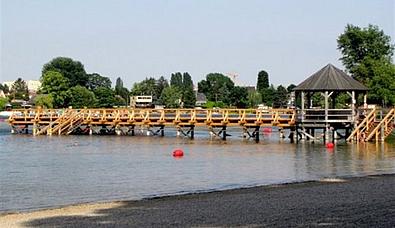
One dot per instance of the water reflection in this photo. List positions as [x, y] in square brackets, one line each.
[46, 171]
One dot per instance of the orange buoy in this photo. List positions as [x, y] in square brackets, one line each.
[178, 153]
[330, 145]
[267, 129]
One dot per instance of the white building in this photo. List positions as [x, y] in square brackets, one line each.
[32, 85]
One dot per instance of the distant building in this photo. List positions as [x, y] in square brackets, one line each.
[141, 102]
[250, 89]
[201, 99]
[32, 85]
[2, 95]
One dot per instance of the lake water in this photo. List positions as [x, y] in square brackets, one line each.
[42, 172]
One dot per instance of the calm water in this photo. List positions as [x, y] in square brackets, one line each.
[40, 172]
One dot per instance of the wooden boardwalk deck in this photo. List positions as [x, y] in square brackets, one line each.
[123, 121]
[68, 121]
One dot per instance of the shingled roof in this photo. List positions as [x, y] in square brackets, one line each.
[330, 78]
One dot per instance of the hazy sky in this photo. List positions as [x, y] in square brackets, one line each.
[138, 39]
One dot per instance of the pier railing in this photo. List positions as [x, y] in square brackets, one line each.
[58, 120]
[318, 116]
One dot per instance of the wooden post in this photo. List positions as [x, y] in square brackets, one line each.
[162, 131]
[302, 105]
[192, 131]
[132, 129]
[224, 132]
[354, 111]
[256, 134]
[326, 117]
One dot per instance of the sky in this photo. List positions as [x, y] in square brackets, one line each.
[133, 40]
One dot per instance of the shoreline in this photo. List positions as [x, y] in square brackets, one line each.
[197, 192]
[346, 198]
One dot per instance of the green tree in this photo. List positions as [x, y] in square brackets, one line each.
[358, 44]
[188, 94]
[171, 97]
[367, 54]
[281, 97]
[105, 97]
[3, 103]
[382, 83]
[81, 97]
[5, 88]
[44, 100]
[161, 84]
[263, 80]
[216, 87]
[290, 88]
[254, 99]
[176, 80]
[53, 83]
[268, 95]
[121, 91]
[146, 87]
[19, 90]
[239, 97]
[72, 70]
[95, 80]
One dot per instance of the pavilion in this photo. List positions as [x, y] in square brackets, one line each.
[330, 82]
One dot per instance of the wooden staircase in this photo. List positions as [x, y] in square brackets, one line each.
[382, 129]
[370, 129]
[65, 124]
[368, 123]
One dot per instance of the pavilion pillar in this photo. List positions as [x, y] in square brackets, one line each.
[354, 111]
[302, 105]
[326, 95]
[365, 103]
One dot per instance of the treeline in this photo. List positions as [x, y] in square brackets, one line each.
[366, 54]
[65, 83]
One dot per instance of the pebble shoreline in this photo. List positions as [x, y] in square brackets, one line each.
[356, 202]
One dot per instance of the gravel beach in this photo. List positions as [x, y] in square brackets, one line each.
[352, 202]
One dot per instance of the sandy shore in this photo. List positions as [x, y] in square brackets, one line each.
[355, 202]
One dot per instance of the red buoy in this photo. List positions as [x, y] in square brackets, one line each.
[330, 145]
[178, 153]
[267, 129]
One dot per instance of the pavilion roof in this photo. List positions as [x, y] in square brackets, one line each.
[330, 78]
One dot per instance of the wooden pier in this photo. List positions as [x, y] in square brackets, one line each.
[368, 125]
[125, 121]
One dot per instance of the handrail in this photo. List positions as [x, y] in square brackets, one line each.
[363, 124]
[384, 122]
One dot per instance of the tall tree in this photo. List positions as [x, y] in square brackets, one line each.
[171, 97]
[263, 80]
[72, 70]
[148, 86]
[81, 97]
[44, 100]
[161, 84]
[5, 88]
[217, 87]
[290, 88]
[367, 55]
[105, 97]
[268, 95]
[176, 79]
[281, 97]
[95, 80]
[121, 91]
[53, 83]
[188, 94]
[239, 97]
[254, 99]
[19, 90]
